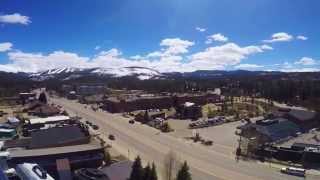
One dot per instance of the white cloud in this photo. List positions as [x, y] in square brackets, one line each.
[170, 58]
[248, 66]
[303, 38]
[301, 70]
[15, 18]
[97, 48]
[279, 37]
[8, 68]
[306, 61]
[176, 46]
[266, 47]
[287, 65]
[216, 37]
[112, 53]
[136, 57]
[201, 29]
[218, 57]
[34, 62]
[172, 47]
[6, 46]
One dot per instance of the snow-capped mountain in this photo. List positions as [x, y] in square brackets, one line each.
[141, 73]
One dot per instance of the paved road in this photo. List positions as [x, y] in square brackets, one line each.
[151, 145]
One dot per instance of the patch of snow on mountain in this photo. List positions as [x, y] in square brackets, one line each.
[142, 73]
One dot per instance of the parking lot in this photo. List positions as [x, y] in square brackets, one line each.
[223, 136]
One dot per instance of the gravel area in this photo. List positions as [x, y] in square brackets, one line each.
[223, 135]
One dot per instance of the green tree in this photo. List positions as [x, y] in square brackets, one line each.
[43, 98]
[137, 170]
[153, 175]
[146, 117]
[147, 172]
[184, 173]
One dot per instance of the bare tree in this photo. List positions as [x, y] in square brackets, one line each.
[171, 165]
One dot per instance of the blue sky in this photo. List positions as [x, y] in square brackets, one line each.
[168, 35]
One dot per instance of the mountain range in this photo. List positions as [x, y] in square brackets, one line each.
[142, 73]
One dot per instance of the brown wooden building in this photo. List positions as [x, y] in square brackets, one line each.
[142, 102]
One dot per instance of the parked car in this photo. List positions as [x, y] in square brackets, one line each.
[111, 137]
[208, 143]
[95, 127]
[89, 123]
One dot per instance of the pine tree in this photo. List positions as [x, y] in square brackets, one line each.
[153, 175]
[184, 173]
[146, 117]
[137, 170]
[147, 172]
[43, 98]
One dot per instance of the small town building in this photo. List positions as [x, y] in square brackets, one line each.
[27, 97]
[189, 110]
[90, 89]
[304, 118]
[118, 171]
[269, 130]
[136, 102]
[89, 155]
[72, 95]
[48, 120]
[7, 133]
[13, 121]
[133, 102]
[52, 137]
[41, 109]
[92, 99]
[64, 169]
[91, 173]
[147, 116]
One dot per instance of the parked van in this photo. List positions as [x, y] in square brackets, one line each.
[294, 171]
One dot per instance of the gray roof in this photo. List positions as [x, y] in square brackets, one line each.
[118, 171]
[56, 136]
[275, 131]
[93, 145]
[302, 115]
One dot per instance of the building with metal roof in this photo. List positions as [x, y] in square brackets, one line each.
[51, 119]
[270, 130]
[118, 171]
[52, 137]
[89, 155]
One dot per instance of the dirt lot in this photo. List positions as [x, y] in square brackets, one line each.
[223, 136]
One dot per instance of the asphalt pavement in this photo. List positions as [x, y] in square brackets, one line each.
[153, 146]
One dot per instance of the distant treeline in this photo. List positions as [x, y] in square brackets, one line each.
[296, 88]
[12, 83]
